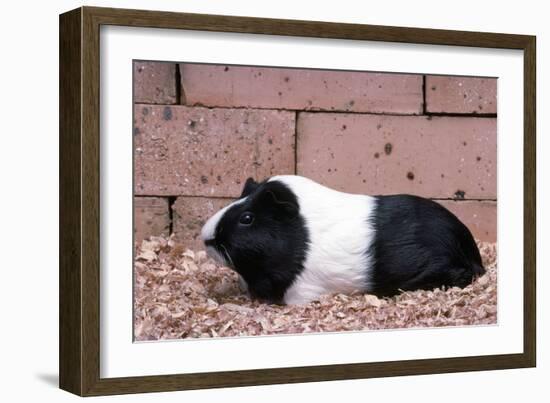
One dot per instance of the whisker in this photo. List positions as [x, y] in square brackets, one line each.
[226, 253]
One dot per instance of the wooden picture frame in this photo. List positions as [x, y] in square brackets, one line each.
[79, 347]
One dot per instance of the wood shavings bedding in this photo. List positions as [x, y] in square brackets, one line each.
[180, 293]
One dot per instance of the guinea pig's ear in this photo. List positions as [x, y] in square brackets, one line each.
[280, 201]
[250, 186]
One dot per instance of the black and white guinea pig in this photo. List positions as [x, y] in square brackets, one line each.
[293, 240]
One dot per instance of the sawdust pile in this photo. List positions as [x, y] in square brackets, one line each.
[179, 293]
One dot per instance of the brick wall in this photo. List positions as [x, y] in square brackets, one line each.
[201, 130]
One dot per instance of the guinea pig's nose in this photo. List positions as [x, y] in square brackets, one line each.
[210, 242]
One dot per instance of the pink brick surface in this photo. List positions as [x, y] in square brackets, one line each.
[441, 157]
[461, 94]
[283, 88]
[209, 152]
[154, 83]
[151, 217]
[190, 214]
[479, 216]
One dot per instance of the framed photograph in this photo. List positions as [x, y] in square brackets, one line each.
[249, 201]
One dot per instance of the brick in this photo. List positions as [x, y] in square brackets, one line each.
[284, 88]
[190, 214]
[461, 94]
[154, 82]
[194, 151]
[151, 217]
[440, 157]
[479, 216]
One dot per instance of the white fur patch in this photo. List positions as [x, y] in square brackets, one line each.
[340, 234]
[208, 230]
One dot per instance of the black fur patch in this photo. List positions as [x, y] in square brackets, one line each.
[418, 244]
[269, 254]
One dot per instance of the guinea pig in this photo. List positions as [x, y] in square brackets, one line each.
[292, 240]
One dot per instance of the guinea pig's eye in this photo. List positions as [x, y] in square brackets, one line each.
[246, 218]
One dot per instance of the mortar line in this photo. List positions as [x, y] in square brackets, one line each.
[178, 84]
[460, 200]
[427, 115]
[296, 116]
[174, 197]
[424, 108]
[171, 202]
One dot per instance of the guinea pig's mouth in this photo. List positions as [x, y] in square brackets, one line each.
[218, 252]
